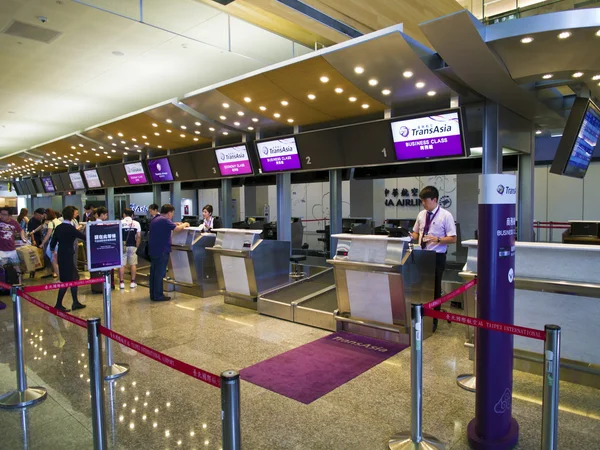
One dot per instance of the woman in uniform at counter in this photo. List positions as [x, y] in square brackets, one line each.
[210, 222]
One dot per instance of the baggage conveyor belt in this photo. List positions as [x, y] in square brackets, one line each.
[310, 301]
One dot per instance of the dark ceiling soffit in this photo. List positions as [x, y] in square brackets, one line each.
[458, 39]
[320, 17]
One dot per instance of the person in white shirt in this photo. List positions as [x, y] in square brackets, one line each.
[434, 230]
[132, 235]
[101, 214]
[209, 222]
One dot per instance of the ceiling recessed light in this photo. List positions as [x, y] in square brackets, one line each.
[110, 137]
[120, 134]
[352, 99]
[97, 154]
[183, 127]
[155, 125]
[338, 90]
[311, 96]
[407, 74]
[197, 132]
[251, 128]
[159, 146]
[122, 142]
[324, 79]
[211, 129]
[109, 157]
[527, 40]
[225, 133]
[222, 117]
[143, 137]
[277, 115]
[247, 99]
[225, 105]
[241, 113]
[596, 77]
[577, 74]
[598, 33]
[538, 132]
[254, 119]
[262, 108]
[431, 93]
[547, 76]
[359, 69]
[373, 82]
[182, 135]
[195, 139]
[237, 124]
[146, 143]
[168, 131]
[169, 121]
[155, 134]
[564, 35]
[73, 147]
[197, 124]
[114, 145]
[114, 151]
[386, 92]
[54, 153]
[291, 120]
[284, 102]
[364, 106]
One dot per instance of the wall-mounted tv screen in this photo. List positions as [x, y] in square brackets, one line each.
[76, 181]
[205, 164]
[278, 155]
[182, 166]
[58, 185]
[16, 185]
[48, 185]
[233, 161]
[160, 170]
[431, 136]
[92, 179]
[38, 185]
[579, 140]
[135, 173]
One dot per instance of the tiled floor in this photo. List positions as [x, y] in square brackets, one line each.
[155, 407]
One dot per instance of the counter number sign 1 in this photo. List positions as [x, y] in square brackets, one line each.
[104, 245]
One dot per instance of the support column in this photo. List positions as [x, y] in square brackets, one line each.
[335, 207]
[225, 203]
[492, 150]
[156, 195]
[175, 198]
[284, 207]
[526, 194]
[110, 203]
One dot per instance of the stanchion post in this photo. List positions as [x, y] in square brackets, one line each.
[537, 235]
[415, 439]
[96, 384]
[551, 387]
[230, 410]
[112, 370]
[550, 232]
[23, 396]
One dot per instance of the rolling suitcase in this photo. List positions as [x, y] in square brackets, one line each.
[98, 288]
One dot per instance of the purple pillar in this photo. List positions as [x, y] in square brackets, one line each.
[493, 426]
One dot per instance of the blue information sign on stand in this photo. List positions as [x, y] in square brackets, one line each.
[104, 245]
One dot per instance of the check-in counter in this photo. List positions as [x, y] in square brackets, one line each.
[248, 265]
[191, 268]
[554, 284]
[377, 278]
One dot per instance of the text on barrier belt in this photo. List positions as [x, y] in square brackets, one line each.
[51, 309]
[451, 295]
[60, 285]
[5, 286]
[487, 324]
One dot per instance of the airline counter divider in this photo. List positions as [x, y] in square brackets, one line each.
[377, 278]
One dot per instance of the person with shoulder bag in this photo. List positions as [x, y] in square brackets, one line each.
[53, 222]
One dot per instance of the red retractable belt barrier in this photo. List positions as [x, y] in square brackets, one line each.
[51, 309]
[65, 284]
[451, 295]
[5, 286]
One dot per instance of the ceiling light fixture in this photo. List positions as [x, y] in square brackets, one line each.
[225, 133]
[291, 120]
[154, 125]
[364, 106]
[254, 119]
[222, 117]
[247, 99]
[251, 128]
[225, 105]
[143, 137]
[420, 85]
[596, 77]
[120, 134]
[168, 131]
[183, 127]
[110, 137]
[169, 121]
[352, 99]
[182, 135]
[407, 74]
[598, 33]
[262, 108]
[577, 75]
[284, 102]
[158, 134]
[324, 79]
[72, 146]
[241, 113]
[547, 76]
[386, 92]
[431, 93]
[123, 142]
[311, 96]
[197, 132]
[373, 82]
[564, 35]
[195, 139]
[527, 40]
[277, 115]
[197, 124]
[237, 124]
[338, 90]
[538, 132]
[359, 69]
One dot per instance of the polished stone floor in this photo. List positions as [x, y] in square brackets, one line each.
[154, 407]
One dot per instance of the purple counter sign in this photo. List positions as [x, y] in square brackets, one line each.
[160, 170]
[135, 173]
[104, 245]
[278, 155]
[435, 136]
[48, 184]
[233, 161]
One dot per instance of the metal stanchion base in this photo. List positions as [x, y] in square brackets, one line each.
[115, 371]
[467, 381]
[20, 399]
[403, 441]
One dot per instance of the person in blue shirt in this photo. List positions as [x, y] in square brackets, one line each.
[159, 248]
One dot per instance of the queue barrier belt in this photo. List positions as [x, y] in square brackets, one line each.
[487, 324]
[180, 366]
[451, 295]
[5, 286]
[60, 285]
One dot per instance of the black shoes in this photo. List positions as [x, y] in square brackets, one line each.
[78, 306]
[161, 299]
[62, 308]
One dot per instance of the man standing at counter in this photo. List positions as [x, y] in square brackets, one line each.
[159, 248]
[434, 230]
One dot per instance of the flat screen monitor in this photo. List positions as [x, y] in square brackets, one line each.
[160, 170]
[76, 181]
[38, 185]
[182, 167]
[233, 161]
[579, 140]
[431, 136]
[58, 185]
[66, 182]
[105, 175]
[136, 173]
[278, 155]
[119, 174]
[92, 179]
[48, 185]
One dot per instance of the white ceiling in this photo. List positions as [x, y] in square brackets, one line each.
[74, 82]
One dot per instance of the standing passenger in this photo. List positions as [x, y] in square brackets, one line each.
[160, 247]
[153, 211]
[132, 235]
[22, 219]
[65, 236]
[434, 230]
[101, 214]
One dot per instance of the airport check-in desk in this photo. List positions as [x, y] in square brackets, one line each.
[248, 265]
[377, 278]
[191, 268]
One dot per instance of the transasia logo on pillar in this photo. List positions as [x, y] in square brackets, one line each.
[501, 189]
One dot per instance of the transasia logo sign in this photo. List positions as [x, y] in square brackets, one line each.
[501, 189]
[275, 150]
[232, 156]
[432, 129]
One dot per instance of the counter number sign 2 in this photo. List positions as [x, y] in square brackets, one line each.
[104, 245]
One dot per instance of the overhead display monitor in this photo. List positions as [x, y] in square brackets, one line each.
[278, 155]
[76, 181]
[17, 187]
[431, 136]
[48, 185]
[233, 161]
[136, 173]
[579, 140]
[119, 174]
[92, 179]
[182, 166]
[66, 181]
[160, 170]
[29, 186]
